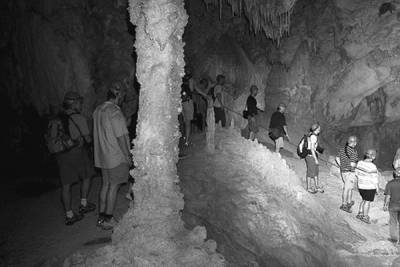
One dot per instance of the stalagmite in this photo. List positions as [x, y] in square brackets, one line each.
[151, 233]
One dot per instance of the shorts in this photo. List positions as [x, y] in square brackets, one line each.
[220, 116]
[253, 127]
[367, 194]
[117, 175]
[188, 110]
[312, 167]
[74, 165]
[349, 180]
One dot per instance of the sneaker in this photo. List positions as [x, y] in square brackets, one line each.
[365, 219]
[359, 215]
[88, 208]
[108, 224]
[75, 218]
[350, 204]
[311, 191]
[345, 208]
[320, 190]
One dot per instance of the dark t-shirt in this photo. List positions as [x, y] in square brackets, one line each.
[278, 120]
[393, 190]
[251, 106]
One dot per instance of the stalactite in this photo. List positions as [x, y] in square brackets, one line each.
[271, 16]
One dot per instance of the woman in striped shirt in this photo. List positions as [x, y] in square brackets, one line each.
[367, 180]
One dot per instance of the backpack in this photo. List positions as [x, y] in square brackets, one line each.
[302, 147]
[57, 137]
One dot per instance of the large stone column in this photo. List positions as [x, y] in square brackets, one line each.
[152, 232]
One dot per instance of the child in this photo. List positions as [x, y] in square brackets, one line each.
[367, 180]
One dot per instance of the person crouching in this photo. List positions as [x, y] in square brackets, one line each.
[367, 181]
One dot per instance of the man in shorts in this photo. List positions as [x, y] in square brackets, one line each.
[392, 203]
[278, 127]
[74, 164]
[347, 160]
[111, 152]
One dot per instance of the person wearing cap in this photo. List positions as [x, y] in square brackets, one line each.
[74, 164]
[392, 203]
[278, 127]
[347, 159]
[367, 182]
[111, 152]
[312, 163]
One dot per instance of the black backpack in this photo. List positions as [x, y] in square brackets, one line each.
[58, 139]
[302, 147]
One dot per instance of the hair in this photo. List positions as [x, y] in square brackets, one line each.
[370, 154]
[112, 94]
[314, 127]
[252, 88]
[281, 105]
[220, 77]
[353, 137]
[204, 82]
[68, 104]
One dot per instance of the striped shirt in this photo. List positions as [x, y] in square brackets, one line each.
[367, 175]
[346, 158]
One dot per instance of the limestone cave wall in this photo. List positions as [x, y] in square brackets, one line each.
[51, 46]
[338, 65]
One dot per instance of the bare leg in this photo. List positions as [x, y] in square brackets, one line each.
[361, 208]
[367, 204]
[103, 195]
[66, 197]
[111, 198]
[188, 126]
[252, 135]
[85, 188]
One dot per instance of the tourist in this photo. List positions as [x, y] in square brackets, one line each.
[74, 164]
[392, 203]
[252, 110]
[367, 181]
[396, 160]
[218, 96]
[187, 104]
[312, 176]
[111, 152]
[347, 160]
[278, 127]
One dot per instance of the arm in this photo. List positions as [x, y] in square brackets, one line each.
[286, 131]
[313, 149]
[123, 142]
[386, 202]
[337, 159]
[197, 89]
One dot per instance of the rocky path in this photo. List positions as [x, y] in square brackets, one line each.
[33, 231]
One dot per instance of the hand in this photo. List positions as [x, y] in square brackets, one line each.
[287, 137]
[385, 208]
[316, 162]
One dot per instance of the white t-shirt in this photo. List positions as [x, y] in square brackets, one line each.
[367, 175]
[313, 139]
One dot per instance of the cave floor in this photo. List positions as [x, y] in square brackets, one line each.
[33, 230]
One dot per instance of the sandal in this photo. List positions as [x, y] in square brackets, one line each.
[320, 189]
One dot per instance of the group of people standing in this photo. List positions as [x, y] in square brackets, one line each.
[111, 154]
